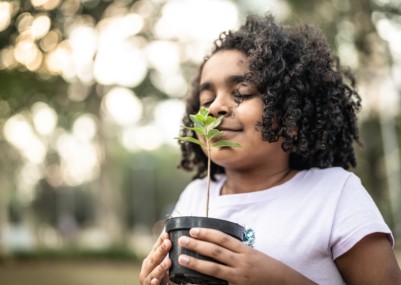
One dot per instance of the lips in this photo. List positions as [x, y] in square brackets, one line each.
[228, 133]
[225, 128]
[228, 130]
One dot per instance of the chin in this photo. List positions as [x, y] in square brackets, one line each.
[225, 159]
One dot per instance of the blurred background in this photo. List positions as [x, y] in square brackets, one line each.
[91, 100]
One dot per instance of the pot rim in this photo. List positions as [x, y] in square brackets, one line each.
[188, 222]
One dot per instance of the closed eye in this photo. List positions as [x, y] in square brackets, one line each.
[239, 96]
[206, 99]
[206, 95]
[206, 104]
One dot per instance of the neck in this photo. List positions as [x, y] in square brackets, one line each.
[240, 182]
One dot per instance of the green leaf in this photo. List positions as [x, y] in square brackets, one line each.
[212, 133]
[199, 131]
[209, 120]
[216, 123]
[205, 126]
[190, 139]
[225, 143]
[203, 112]
[201, 118]
[197, 122]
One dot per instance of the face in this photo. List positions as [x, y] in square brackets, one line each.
[224, 91]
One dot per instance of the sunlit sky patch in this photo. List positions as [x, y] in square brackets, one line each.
[193, 20]
[163, 129]
[142, 138]
[5, 15]
[40, 26]
[391, 32]
[168, 117]
[346, 46]
[119, 60]
[79, 159]
[58, 60]
[85, 128]
[45, 4]
[44, 118]
[123, 106]
[83, 42]
[163, 55]
[19, 132]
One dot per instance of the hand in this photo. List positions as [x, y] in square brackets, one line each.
[155, 266]
[241, 264]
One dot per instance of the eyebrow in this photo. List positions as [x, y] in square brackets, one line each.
[233, 79]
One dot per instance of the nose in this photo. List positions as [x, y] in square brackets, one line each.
[221, 106]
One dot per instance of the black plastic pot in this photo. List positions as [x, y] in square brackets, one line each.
[180, 226]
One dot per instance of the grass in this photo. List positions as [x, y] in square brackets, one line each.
[69, 272]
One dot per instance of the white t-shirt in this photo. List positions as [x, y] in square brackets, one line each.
[305, 223]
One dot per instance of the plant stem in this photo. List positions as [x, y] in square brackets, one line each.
[208, 177]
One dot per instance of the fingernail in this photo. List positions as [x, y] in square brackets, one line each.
[184, 240]
[166, 263]
[163, 265]
[194, 232]
[183, 259]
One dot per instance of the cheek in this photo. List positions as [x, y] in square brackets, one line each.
[252, 106]
[251, 114]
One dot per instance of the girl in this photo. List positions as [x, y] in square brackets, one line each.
[288, 102]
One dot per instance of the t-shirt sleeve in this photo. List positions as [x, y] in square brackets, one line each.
[190, 201]
[356, 217]
[181, 207]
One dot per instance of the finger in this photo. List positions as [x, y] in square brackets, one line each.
[159, 274]
[217, 237]
[220, 271]
[160, 240]
[205, 248]
[160, 252]
[155, 258]
[166, 279]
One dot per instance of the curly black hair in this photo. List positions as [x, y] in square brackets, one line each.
[304, 89]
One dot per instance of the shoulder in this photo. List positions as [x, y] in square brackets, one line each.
[332, 186]
[328, 173]
[333, 178]
[356, 213]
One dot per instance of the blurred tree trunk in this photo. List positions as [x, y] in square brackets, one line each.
[107, 190]
[7, 168]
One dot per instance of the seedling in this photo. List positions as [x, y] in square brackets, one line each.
[206, 127]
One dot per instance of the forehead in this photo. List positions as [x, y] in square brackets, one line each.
[225, 62]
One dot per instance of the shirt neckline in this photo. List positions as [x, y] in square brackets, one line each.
[260, 195]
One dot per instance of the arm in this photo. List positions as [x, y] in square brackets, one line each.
[370, 261]
[242, 265]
